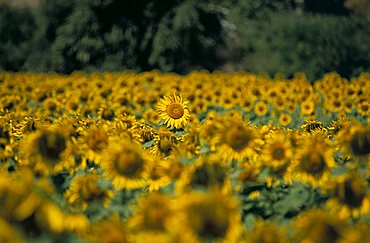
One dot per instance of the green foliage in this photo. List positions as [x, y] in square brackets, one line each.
[16, 30]
[315, 45]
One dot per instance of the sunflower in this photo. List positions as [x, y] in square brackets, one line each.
[310, 126]
[94, 140]
[158, 176]
[313, 160]
[207, 217]
[307, 107]
[165, 143]
[174, 111]
[47, 150]
[356, 234]
[285, 119]
[205, 173]
[112, 229]
[266, 232]
[85, 189]
[277, 155]
[355, 139]
[8, 233]
[126, 164]
[350, 197]
[260, 108]
[316, 225]
[236, 140]
[152, 213]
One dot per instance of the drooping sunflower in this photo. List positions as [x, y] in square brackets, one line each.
[349, 196]
[314, 160]
[126, 164]
[165, 143]
[317, 225]
[207, 217]
[174, 111]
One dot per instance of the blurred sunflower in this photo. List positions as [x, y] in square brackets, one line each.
[266, 232]
[47, 150]
[174, 111]
[8, 233]
[260, 108]
[355, 139]
[236, 140]
[349, 196]
[285, 119]
[318, 226]
[207, 217]
[112, 229]
[203, 174]
[358, 233]
[126, 164]
[152, 213]
[165, 143]
[85, 189]
[313, 160]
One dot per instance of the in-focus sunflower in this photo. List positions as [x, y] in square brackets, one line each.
[349, 196]
[174, 111]
[316, 225]
[207, 217]
[126, 164]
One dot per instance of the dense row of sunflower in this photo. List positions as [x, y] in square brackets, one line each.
[150, 157]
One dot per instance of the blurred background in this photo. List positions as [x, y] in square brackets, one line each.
[261, 36]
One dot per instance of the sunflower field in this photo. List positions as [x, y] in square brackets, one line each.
[202, 157]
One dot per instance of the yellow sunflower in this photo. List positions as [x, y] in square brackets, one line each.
[205, 173]
[174, 111]
[47, 151]
[126, 164]
[207, 217]
[355, 139]
[260, 108]
[152, 213]
[266, 232]
[237, 140]
[316, 225]
[85, 189]
[349, 196]
[285, 119]
[8, 233]
[313, 160]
